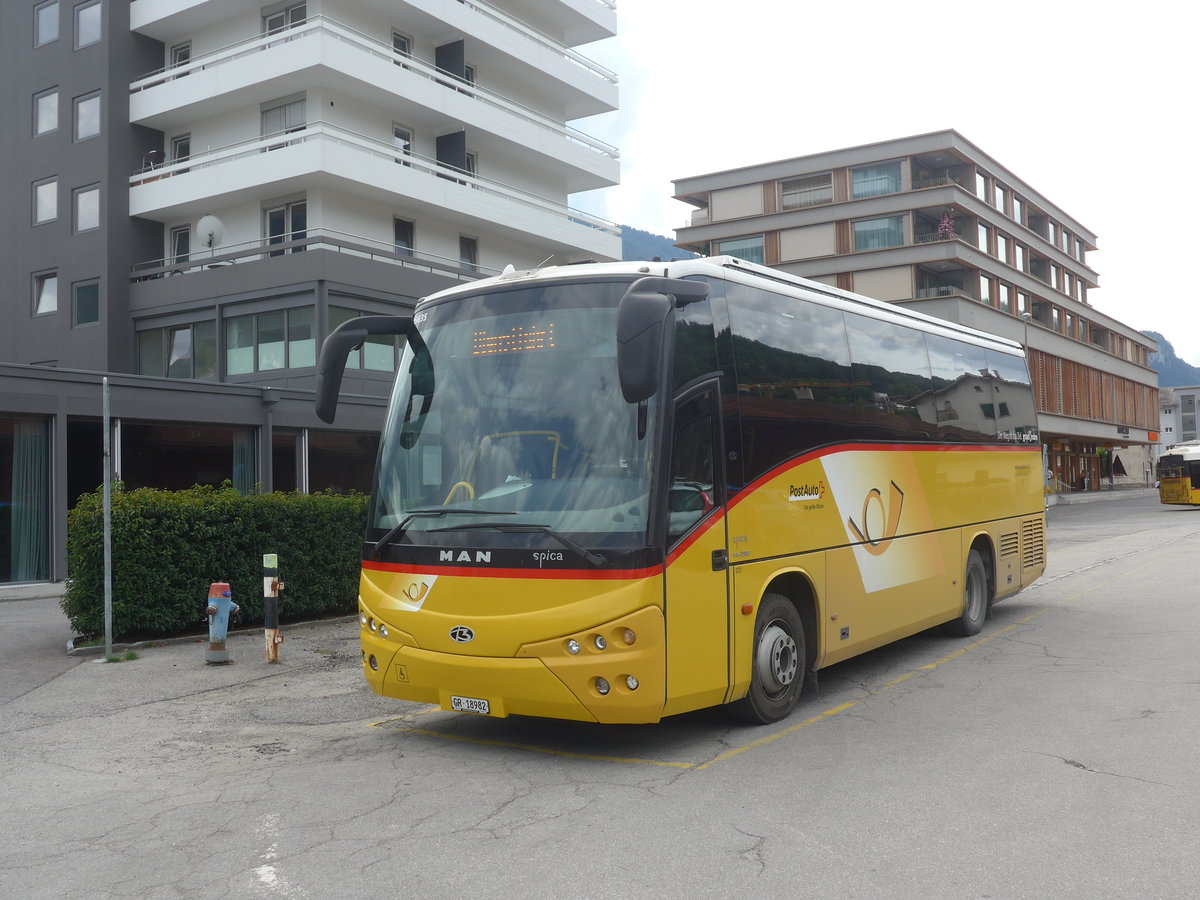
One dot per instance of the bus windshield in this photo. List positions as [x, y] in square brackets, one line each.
[507, 419]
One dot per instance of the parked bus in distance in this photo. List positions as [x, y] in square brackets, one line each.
[616, 492]
[1178, 472]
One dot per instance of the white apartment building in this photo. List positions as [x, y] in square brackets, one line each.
[197, 191]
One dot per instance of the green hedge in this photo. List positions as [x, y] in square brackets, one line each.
[168, 546]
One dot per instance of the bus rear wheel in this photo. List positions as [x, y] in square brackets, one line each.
[778, 665]
[976, 599]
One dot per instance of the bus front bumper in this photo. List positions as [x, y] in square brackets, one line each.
[621, 683]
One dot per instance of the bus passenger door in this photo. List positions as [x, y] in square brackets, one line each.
[697, 588]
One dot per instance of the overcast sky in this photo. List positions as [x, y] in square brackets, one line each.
[1093, 105]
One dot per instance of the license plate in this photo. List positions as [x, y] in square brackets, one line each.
[470, 704]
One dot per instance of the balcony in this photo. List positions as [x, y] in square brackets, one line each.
[509, 41]
[312, 239]
[328, 155]
[321, 53]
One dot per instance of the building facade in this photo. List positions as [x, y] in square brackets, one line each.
[934, 223]
[198, 191]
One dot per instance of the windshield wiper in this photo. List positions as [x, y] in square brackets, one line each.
[397, 531]
[594, 558]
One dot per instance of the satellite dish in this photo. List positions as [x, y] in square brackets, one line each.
[210, 230]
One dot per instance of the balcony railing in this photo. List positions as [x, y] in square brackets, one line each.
[930, 181]
[312, 239]
[933, 237]
[501, 18]
[330, 29]
[324, 131]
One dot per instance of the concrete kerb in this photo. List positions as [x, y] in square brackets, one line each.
[198, 638]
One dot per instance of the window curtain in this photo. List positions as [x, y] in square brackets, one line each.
[871, 181]
[243, 462]
[875, 234]
[29, 543]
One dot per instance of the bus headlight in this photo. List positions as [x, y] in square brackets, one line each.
[599, 641]
[602, 687]
[631, 682]
[630, 636]
[572, 646]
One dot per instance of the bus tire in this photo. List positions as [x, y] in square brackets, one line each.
[778, 664]
[976, 599]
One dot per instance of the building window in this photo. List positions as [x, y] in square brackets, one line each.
[45, 293]
[287, 223]
[985, 289]
[86, 206]
[85, 303]
[87, 116]
[402, 140]
[749, 249]
[1019, 256]
[378, 352]
[999, 199]
[983, 237]
[87, 24]
[980, 185]
[403, 231]
[1001, 247]
[1005, 297]
[181, 244]
[45, 112]
[811, 190]
[45, 23]
[283, 118]
[401, 45]
[181, 54]
[182, 351]
[871, 181]
[1022, 303]
[45, 201]
[288, 17]
[468, 253]
[877, 234]
[472, 160]
[1018, 212]
[283, 339]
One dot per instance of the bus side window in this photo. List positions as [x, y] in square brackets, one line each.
[693, 485]
[891, 374]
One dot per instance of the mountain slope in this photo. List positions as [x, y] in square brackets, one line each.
[638, 245]
[1172, 371]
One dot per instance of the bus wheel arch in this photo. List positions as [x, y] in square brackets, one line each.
[782, 652]
[979, 590]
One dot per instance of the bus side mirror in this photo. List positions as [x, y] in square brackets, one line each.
[641, 323]
[337, 346]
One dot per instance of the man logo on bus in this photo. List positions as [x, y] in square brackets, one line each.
[877, 546]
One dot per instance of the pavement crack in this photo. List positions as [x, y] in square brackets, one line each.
[1076, 764]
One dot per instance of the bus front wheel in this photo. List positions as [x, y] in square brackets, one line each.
[976, 599]
[778, 664]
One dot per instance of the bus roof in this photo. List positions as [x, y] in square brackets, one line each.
[742, 272]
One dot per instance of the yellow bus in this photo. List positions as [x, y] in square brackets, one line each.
[616, 492]
[1178, 472]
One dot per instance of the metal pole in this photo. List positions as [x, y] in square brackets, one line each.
[271, 588]
[108, 611]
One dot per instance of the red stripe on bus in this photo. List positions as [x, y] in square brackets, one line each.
[549, 574]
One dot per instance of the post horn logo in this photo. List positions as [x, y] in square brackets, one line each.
[877, 546]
